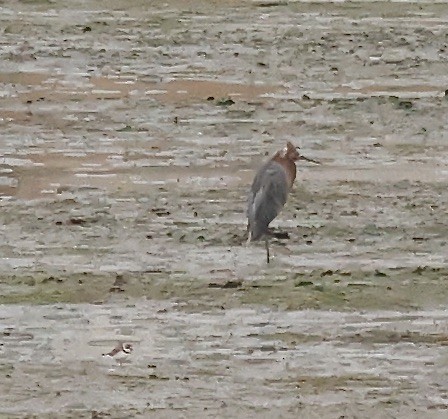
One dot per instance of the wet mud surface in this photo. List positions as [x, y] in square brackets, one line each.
[130, 136]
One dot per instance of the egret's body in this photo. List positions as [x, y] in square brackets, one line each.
[270, 190]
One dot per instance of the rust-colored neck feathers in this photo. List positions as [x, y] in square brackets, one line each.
[287, 158]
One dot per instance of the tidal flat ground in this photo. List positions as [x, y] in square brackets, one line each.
[130, 135]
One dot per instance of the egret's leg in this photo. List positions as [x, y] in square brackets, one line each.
[266, 241]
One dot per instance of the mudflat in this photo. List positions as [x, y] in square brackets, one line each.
[130, 134]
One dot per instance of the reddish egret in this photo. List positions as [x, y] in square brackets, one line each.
[269, 191]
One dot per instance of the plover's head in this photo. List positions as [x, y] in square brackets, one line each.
[121, 349]
[127, 348]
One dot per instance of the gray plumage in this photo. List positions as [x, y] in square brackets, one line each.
[270, 190]
[267, 197]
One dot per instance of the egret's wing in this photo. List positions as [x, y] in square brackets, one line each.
[266, 198]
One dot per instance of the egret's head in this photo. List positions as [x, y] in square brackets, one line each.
[291, 152]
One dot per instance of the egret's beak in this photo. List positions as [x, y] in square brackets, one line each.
[307, 159]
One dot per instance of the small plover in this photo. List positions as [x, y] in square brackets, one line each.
[121, 352]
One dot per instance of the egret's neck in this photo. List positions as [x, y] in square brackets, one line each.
[289, 166]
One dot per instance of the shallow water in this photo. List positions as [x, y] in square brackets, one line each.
[130, 136]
